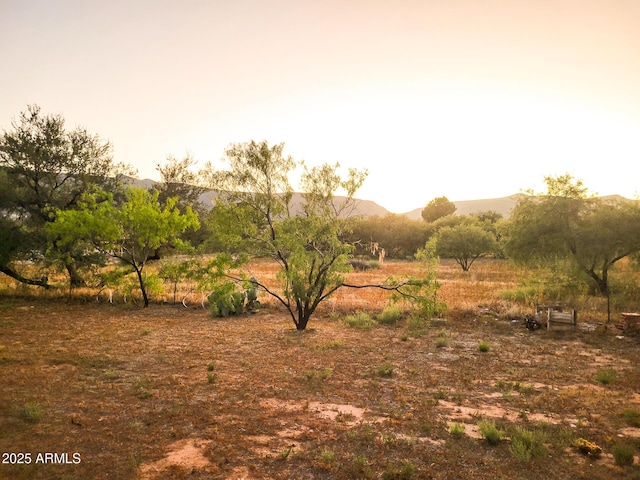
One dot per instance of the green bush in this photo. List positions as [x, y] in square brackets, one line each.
[526, 444]
[484, 347]
[360, 320]
[32, 412]
[457, 430]
[389, 315]
[606, 375]
[623, 454]
[490, 432]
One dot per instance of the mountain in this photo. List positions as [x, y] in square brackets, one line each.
[369, 208]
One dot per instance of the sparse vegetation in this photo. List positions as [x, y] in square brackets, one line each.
[623, 454]
[387, 408]
[605, 375]
[361, 320]
[492, 434]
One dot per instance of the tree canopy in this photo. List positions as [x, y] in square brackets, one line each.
[46, 168]
[437, 208]
[465, 243]
[130, 233]
[255, 212]
[565, 222]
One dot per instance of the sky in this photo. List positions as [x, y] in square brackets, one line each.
[468, 99]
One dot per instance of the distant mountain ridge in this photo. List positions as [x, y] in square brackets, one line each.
[369, 208]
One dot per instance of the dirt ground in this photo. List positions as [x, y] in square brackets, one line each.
[99, 391]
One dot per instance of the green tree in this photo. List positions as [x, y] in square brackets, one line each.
[257, 215]
[437, 208]
[178, 179]
[307, 247]
[400, 236]
[565, 222]
[46, 168]
[130, 233]
[465, 243]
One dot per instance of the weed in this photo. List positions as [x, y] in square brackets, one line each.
[389, 316]
[32, 412]
[322, 373]
[284, 454]
[416, 326]
[524, 389]
[606, 375]
[330, 345]
[145, 332]
[211, 377]
[385, 370]
[361, 320]
[623, 454]
[143, 387]
[327, 456]
[632, 417]
[440, 395]
[490, 432]
[136, 425]
[519, 450]
[405, 472]
[526, 444]
[211, 367]
[360, 468]
[364, 435]
[483, 347]
[456, 430]
[442, 343]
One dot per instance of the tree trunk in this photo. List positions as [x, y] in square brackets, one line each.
[143, 289]
[75, 280]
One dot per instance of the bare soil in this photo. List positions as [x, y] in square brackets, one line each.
[171, 393]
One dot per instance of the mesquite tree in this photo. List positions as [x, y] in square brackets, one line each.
[258, 213]
[130, 233]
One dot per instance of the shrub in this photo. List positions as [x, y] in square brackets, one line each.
[490, 432]
[484, 347]
[360, 320]
[405, 472]
[457, 430]
[442, 342]
[623, 454]
[632, 417]
[416, 325]
[32, 412]
[385, 370]
[606, 375]
[227, 299]
[526, 444]
[389, 315]
[361, 265]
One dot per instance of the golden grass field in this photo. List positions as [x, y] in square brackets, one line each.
[172, 393]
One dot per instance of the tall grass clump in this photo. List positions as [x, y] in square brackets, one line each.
[623, 454]
[32, 412]
[389, 316]
[526, 444]
[490, 432]
[361, 320]
[606, 375]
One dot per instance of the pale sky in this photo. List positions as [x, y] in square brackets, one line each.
[470, 99]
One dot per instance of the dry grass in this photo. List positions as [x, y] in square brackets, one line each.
[171, 393]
